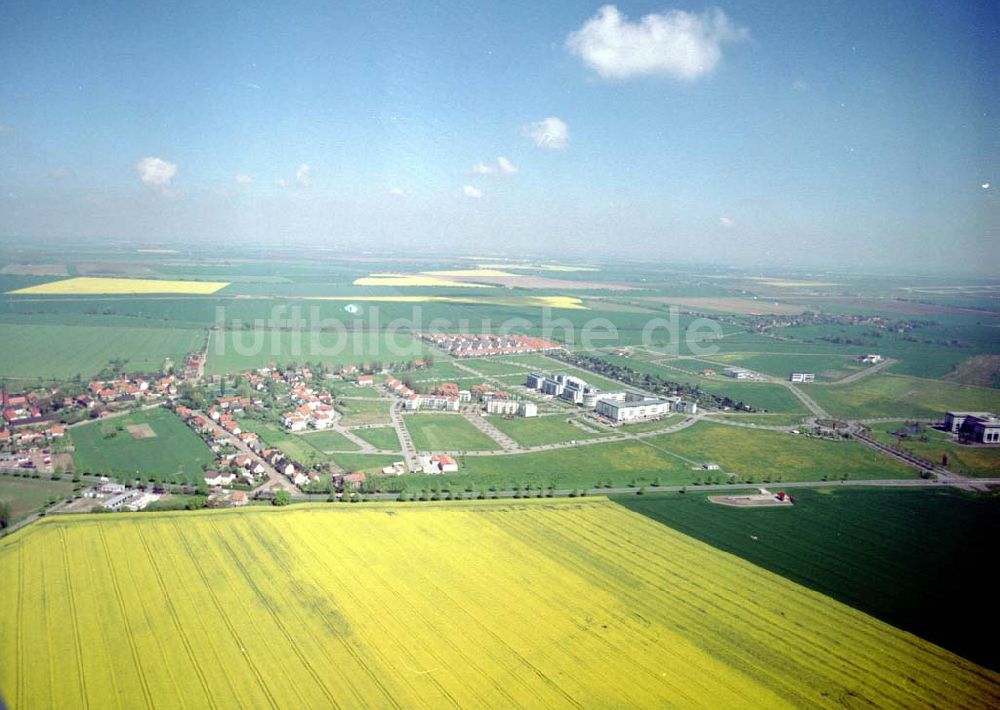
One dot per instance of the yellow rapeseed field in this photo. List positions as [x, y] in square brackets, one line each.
[502, 604]
[86, 285]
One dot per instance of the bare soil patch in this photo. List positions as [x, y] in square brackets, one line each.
[112, 268]
[141, 431]
[751, 501]
[982, 370]
[35, 270]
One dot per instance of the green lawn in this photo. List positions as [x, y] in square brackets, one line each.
[904, 556]
[491, 366]
[769, 454]
[535, 431]
[966, 460]
[27, 495]
[362, 411]
[674, 460]
[441, 370]
[63, 351]
[824, 366]
[641, 427]
[328, 441]
[777, 419]
[576, 467]
[763, 395]
[367, 463]
[108, 447]
[898, 396]
[380, 437]
[303, 448]
[446, 432]
[347, 389]
[235, 351]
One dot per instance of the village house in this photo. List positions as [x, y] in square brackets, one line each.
[438, 463]
[217, 478]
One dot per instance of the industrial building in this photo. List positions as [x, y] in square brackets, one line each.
[571, 389]
[974, 427]
[953, 420]
[633, 408]
[510, 407]
[802, 377]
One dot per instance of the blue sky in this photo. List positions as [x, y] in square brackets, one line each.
[781, 132]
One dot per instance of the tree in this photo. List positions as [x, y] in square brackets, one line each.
[281, 498]
[5, 514]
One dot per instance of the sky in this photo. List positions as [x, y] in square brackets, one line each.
[842, 134]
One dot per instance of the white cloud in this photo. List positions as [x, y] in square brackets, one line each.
[681, 44]
[303, 175]
[800, 85]
[503, 165]
[985, 186]
[506, 167]
[397, 191]
[243, 179]
[472, 192]
[550, 133]
[156, 172]
[60, 173]
[727, 222]
[282, 182]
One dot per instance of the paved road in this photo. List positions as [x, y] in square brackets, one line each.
[474, 417]
[33, 517]
[810, 403]
[274, 479]
[403, 434]
[883, 483]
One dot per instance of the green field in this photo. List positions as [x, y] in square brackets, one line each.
[898, 396]
[346, 389]
[770, 454]
[443, 370]
[641, 427]
[824, 366]
[64, 351]
[27, 495]
[446, 432]
[380, 437]
[763, 395]
[675, 459]
[108, 447]
[493, 366]
[535, 431]
[356, 412]
[574, 467]
[302, 448]
[776, 419]
[965, 460]
[328, 441]
[908, 557]
[367, 463]
[236, 351]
